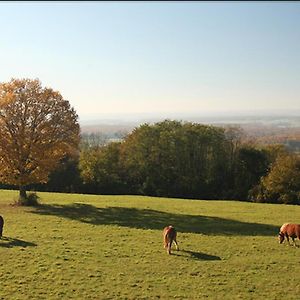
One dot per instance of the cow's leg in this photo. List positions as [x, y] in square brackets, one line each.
[166, 242]
[294, 242]
[177, 248]
[169, 246]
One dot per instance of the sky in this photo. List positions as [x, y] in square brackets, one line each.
[158, 58]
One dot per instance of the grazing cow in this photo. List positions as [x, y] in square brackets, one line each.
[170, 235]
[289, 230]
[1, 225]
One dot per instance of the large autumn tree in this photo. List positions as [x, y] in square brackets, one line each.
[37, 129]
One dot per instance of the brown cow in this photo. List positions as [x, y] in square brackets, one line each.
[170, 235]
[289, 230]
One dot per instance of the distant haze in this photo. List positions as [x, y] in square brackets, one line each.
[207, 117]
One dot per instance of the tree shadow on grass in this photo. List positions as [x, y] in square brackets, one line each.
[196, 255]
[152, 219]
[7, 242]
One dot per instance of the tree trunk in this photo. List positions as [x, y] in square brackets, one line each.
[22, 194]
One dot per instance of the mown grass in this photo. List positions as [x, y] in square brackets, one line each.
[110, 247]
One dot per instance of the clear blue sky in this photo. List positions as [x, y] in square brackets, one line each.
[157, 57]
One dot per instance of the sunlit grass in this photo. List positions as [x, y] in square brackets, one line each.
[110, 247]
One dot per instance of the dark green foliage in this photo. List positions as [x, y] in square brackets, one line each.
[101, 170]
[252, 164]
[282, 184]
[175, 159]
[65, 178]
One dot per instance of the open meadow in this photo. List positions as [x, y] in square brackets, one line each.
[110, 247]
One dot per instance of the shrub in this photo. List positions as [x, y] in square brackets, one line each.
[32, 199]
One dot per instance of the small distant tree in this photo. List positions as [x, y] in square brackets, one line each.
[37, 129]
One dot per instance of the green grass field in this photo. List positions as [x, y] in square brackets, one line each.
[110, 247]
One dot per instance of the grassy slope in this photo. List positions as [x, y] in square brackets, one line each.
[110, 247]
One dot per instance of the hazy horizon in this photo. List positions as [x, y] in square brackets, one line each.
[213, 117]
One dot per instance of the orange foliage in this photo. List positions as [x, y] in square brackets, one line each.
[37, 128]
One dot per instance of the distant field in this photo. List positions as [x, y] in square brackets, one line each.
[110, 247]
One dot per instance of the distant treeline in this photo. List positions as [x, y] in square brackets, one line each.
[185, 160]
